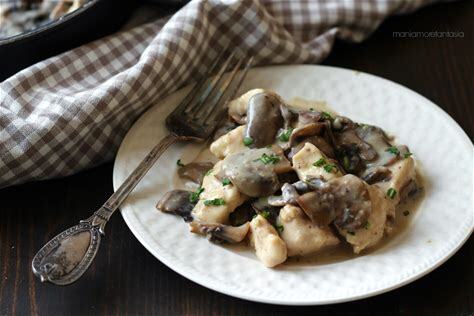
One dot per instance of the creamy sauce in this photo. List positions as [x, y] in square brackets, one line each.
[339, 253]
[302, 104]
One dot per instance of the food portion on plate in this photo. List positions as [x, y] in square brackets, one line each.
[293, 181]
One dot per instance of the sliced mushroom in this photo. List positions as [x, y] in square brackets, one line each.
[177, 202]
[264, 119]
[349, 137]
[316, 140]
[315, 183]
[344, 200]
[242, 214]
[250, 173]
[226, 127]
[362, 147]
[276, 200]
[289, 196]
[308, 117]
[348, 157]
[378, 141]
[289, 193]
[219, 233]
[307, 130]
[318, 206]
[353, 205]
[289, 116]
[195, 171]
[410, 190]
[376, 174]
[308, 185]
[238, 107]
[261, 204]
[302, 186]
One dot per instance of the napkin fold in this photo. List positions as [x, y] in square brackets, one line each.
[70, 112]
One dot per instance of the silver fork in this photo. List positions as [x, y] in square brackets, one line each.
[66, 257]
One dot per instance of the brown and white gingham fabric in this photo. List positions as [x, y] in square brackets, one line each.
[71, 111]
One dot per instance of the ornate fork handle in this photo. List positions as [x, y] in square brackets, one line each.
[68, 255]
[103, 214]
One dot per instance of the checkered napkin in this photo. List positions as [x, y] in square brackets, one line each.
[70, 112]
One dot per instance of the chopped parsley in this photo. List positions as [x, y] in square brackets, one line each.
[406, 155]
[209, 172]
[393, 150]
[346, 163]
[194, 197]
[179, 163]
[329, 167]
[367, 225]
[326, 115]
[225, 181]
[391, 193]
[265, 214]
[351, 233]
[320, 162]
[311, 109]
[280, 228]
[406, 213]
[215, 202]
[248, 141]
[285, 136]
[266, 159]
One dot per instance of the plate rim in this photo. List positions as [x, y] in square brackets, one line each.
[134, 225]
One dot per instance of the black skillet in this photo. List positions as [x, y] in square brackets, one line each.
[93, 20]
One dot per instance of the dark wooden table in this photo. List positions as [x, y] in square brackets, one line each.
[126, 279]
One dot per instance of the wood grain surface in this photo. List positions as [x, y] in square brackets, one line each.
[126, 279]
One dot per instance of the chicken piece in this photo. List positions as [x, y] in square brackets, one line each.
[402, 173]
[269, 247]
[301, 236]
[344, 200]
[230, 143]
[371, 233]
[214, 189]
[304, 160]
[264, 119]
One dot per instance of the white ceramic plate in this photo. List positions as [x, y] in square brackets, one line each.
[441, 225]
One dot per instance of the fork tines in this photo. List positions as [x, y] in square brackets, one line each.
[201, 110]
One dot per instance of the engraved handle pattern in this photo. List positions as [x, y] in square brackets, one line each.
[102, 215]
[66, 257]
